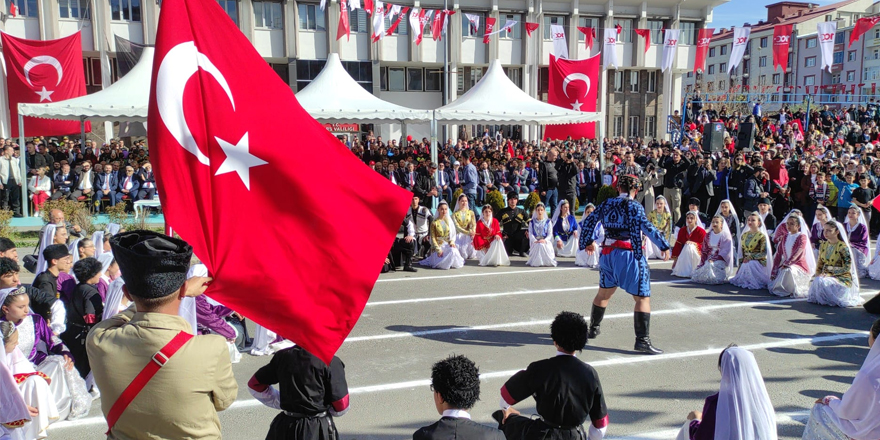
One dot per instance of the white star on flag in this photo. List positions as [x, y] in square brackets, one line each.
[45, 95]
[576, 105]
[238, 159]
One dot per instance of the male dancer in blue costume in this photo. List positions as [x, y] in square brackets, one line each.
[622, 263]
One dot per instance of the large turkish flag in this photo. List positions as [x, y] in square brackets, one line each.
[293, 228]
[43, 71]
[574, 84]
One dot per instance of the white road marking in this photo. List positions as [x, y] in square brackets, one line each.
[249, 403]
[500, 273]
[704, 309]
[799, 417]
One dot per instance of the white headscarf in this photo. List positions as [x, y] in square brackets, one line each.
[113, 298]
[854, 291]
[547, 219]
[98, 240]
[856, 413]
[12, 405]
[47, 239]
[187, 308]
[808, 253]
[557, 210]
[106, 260]
[725, 235]
[113, 228]
[862, 221]
[744, 409]
[487, 220]
[458, 203]
[448, 219]
[665, 204]
[74, 249]
[768, 268]
[697, 215]
[828, 217]
[733, 213]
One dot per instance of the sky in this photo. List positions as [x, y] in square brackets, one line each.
[737, 12]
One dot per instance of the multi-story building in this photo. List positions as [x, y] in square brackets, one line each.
[756, 67]
[295, 37]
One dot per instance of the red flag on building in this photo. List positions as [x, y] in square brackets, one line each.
[573, 84]
[344, 26]
[217, 110]
[619, 28]
[530, 27]
[862, 25]
[589, 36]
[403, 11]
[704, 37]
[43, 71]
[13, 10]
[424, 18]
[646, 34]
[368, 6]
[490, 27]
[437, 25]
[781, 41]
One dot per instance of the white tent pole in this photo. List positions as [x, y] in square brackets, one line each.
[22, 162]
[82, 134]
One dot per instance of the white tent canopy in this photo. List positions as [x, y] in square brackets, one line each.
[125, 100]
[335, 96]
[497, 99]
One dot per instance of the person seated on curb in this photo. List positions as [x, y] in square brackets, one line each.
[455, 382]
[42, 303]
[567, 391]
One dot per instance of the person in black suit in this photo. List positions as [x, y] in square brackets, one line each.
[694, 206]
[409, 177]
[699, 181]
[65, 181]
[444, 183]
[426, 185]
[106, 185]
[456, 385]
[147, 182]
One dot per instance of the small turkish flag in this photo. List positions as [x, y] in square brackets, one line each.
[43, 71]
[619, 28]
[13, 10]
[574, 85]
[268, 228]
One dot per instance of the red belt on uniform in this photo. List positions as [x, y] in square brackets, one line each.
[617, 244]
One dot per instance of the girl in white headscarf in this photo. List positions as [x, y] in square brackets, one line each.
[730, 216]
[793, 261]
[857, 231]
[687, 251]
[465, 228]
[716, 255]
[817, 236]
[115, 301]
[661, 218]
[755, 256]
[587, 258]
[541, 239]
[488, 241]
[836, 282]
[854, 416]
[741, 410]
[444, 253]
[47, 239]
[32, 391]
[565, 230]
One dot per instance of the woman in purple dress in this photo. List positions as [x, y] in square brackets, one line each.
[857, 229]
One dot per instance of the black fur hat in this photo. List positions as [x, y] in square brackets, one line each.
[153, 265]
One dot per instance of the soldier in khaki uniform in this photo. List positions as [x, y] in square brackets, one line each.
[183, 395]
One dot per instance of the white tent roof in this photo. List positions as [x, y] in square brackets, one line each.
[497, 99]
[125, 100]
[335, 96]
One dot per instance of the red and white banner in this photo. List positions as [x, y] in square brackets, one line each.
[378, 21]
[354, 4]
[573, 84]
[402, 12]
[610, 48]
[646, 34]
[589, 36]
[826, 31]
[437, 25]
[862, 25]
[368, 6]
[43, 71]
[344, 27]
[416, 25]
[560, 45]
[474, 21]
[490, 28]
[670, 44]
[740, 40]
[781, 42]
[530, 27]
[704, 37]
[213, 143]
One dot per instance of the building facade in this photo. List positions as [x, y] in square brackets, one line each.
[296, 36]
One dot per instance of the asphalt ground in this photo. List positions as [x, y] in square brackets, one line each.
[499, 317]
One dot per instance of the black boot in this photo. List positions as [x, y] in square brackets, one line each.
[407, 263]
[642, 324]
[596, 317]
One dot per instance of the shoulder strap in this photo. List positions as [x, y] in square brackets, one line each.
[140, 381]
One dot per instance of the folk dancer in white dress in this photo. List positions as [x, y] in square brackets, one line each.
[15, 414]
[793, 262]
[731, 217]
[444, 254]
[716, 256]
[32, 388]
[755, 256]
[488, 241]
[565, 230]
[661, 218]
[857, 231]
[836, 282]
[541, 239]
[465, 228]
[586, 258]
[817, 234]
[853, 416]
[688, 246]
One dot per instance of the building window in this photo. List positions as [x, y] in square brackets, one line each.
[724, 50]
[626, 35]
[651, 126]
[515, 75]
[79, 9]
[711, 70]
[839, 37]
[26, 8]
[633, 80]
[710, 87]
[688, 33]
[515, 32]
[433, 79]
[838, 57]
[357, 20]
[633, 126]
[762, 62]
[763, 41]
[762, 81]
[851, 76]
[311, 18]
[396, 79]
[402, 28]
[652, 81]
[789, 79]
[415, 80]
[618, 126]
[876, 33]
[810, 62]
[120, 10]
[851, 55]
[589, 22]
[618, 81]
[746, 67]
[268, 15]
[722, 86]
[810, 80]
[875, 54]
[835, 79]
[551, 20]
[467, 29]
[812, 42]
[231, 8]
[777, 79]
[690, 74]
[722, 68]
[711, 52]
[656, 27]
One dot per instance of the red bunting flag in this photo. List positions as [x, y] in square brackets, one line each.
[619, 28]
[704, 37]
[873, 88]
[13, 10]
[781, 42]
[217, 168]
[862, 25]
[437, 25]
[589, 36]
[424, 18]
[43, 71]
[490, 27]
[344, 25]
[368, 6]
[403, 11]
[646, 34]
[530, 27]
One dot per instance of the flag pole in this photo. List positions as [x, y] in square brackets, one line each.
[22, 163]
[434, 152]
